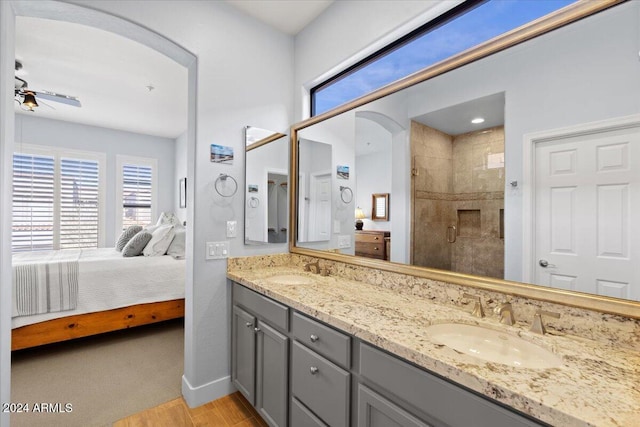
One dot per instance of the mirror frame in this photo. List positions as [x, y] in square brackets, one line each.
[541, 26]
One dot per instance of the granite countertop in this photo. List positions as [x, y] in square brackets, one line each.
[598, 383]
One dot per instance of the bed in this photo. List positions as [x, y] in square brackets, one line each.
[110, 292]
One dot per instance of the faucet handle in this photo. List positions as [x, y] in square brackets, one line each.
[477, 308]
[537, 326]
[505, 311]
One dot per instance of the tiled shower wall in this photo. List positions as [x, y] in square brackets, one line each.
[458, 181]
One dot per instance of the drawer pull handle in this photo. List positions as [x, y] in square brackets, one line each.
[248, 324]
[314, 338]
[313, 370]
[375, 248]
[256, 329]
[376, 238]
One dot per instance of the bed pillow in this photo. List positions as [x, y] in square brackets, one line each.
[160, 241]
[136, 245]
[126, 235]
[168, 218]
[178, 244]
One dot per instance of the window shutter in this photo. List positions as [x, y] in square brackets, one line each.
[136, 195]
[79, 207]
[33, 203]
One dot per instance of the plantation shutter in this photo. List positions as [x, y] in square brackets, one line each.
[33, 202]
[79, 207]
[136, 195]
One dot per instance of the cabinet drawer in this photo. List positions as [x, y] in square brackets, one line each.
[302, 417]
[274, 313]
[376, 411]
[447, 403]
[322, 339]
[372, 250]
[322, 386]
[370, 238]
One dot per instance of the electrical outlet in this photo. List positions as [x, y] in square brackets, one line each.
[232, 228]
[344, 241]
[217, 250]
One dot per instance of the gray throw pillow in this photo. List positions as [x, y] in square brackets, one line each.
[126, 235]
[136, 245]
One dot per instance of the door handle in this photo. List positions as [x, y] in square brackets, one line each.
[544, 263]
[451, 237]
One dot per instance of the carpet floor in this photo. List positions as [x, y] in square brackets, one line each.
[103, 378]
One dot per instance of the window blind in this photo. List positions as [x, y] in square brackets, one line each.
[136, 194]
[79, 207]
[33, 203]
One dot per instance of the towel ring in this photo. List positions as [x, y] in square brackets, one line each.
[254, 202]
[346, 193]
[222, 179]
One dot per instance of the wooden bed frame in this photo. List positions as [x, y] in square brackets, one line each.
[83, 325]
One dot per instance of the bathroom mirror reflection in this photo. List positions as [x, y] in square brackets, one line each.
[266, 192]
[510, 197]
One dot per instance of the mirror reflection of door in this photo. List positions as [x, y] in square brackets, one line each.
[315, 198]
[586, 188]
[458, 187]
[277, 187]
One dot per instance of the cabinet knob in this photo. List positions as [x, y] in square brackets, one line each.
[314, 338]
[313, 370]
[376, 238]
[256, 329]
[375, 248]
[248, 324]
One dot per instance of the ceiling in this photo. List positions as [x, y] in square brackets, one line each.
[456, 120]
[111, 75]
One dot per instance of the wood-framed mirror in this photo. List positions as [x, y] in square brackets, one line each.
[525, 69]
[380, 207]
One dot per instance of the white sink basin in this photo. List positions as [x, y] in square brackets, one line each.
[493, 346]
[290, 279]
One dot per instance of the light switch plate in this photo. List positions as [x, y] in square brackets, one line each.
[217, 250]
[336, 226]
[232, 228]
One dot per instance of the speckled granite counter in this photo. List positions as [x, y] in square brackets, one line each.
[598, 384]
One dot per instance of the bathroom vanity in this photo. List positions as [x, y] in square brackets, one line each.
[314, 351]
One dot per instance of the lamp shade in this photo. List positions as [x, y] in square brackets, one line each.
[359, 214]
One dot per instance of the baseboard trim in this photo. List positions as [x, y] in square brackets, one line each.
[196, 396]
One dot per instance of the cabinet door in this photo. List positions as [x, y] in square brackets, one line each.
[243, 353]
[271, 375]
[376, 411]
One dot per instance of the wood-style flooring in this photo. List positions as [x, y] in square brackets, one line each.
[228, 411]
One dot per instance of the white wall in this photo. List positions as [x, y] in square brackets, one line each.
[31, 129]
[232, 92]
[374, 176]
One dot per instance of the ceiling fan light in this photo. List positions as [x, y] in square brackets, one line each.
[29, 102]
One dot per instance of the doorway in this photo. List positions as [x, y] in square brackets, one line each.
[81, 15]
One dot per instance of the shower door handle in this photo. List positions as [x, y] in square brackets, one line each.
[451, 234]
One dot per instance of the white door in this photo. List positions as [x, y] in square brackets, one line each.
[320, 207]
[587, 213]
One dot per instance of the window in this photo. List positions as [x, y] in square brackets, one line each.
[56, 199]
[137, 191]
[463, 27]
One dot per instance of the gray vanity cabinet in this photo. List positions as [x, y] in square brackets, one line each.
[260, 353]
[376, 411]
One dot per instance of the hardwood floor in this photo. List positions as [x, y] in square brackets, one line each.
[232, 410]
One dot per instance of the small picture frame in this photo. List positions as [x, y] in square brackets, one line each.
[342, 172]
[182, 188]
[252, 188]
[221, 154]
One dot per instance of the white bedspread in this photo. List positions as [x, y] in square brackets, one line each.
[107, 280]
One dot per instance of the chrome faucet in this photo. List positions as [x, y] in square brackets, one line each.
[315, 265]
[477, 308]
[505, 311]
[537, 326]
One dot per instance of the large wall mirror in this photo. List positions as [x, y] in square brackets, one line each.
[539, 198]
[266, 180]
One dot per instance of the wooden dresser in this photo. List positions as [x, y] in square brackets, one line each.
[373, 244]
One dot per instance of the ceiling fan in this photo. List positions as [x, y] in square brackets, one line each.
[26, 97]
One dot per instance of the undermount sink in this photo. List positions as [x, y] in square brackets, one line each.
[290, 279]
[493, 346]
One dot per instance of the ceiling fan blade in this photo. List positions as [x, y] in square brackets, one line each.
[57, 97]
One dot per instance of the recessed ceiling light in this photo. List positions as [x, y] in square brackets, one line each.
[477, 120]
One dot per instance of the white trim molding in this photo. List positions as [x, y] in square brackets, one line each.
[528, 175]
[196, 396]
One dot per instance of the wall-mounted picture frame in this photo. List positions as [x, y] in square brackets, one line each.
[221, 154]
[380, 210]
[342, 172]
[182, 188]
